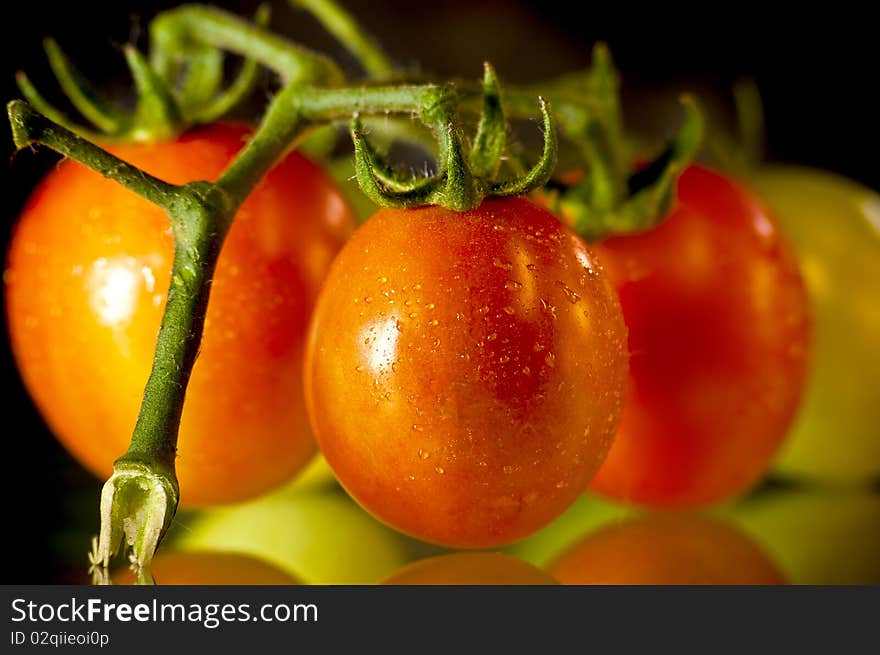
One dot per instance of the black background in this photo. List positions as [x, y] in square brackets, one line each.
[816, 68]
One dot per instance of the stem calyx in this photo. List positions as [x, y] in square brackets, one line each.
[465, 176]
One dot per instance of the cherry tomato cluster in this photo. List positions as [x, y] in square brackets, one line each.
[468, 375]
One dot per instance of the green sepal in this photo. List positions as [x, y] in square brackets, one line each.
[87, 101]
[491, 131]
[650, 191]
[541, 172]
[50, 111]
[464, 178]
[156, 114]
[368, 167]
[603, 85]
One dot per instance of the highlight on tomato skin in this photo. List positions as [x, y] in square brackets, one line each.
[87, 274]
[661, 549]
[719, 337]
[466, 371]
[470, 569]
[178, 568]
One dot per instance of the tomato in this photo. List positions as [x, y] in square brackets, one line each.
[318, 537]
[719, 329]
[834, 225]
[207, 568]
[470, 569]
[666, 550]
[821, 537]
[87, 274]
[465, 371]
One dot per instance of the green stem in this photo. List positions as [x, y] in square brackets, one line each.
[243, 83]
[281, 126]
[342, 25]
[30, 127]
[429, 101]
[172, 31]
[200, 218]
[296, 109]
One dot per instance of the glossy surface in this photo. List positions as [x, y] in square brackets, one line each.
[87, 275]
[834, 225]
[718, 336]
[470, 569]
[666, 550]
[465, 372]
[207, 568]
[320, 538]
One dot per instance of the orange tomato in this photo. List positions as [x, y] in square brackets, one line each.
[466, 371]
[87, 274]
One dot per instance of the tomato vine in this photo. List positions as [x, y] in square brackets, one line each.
[179, 85]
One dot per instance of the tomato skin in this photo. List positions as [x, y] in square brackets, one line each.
[666, 550]
[834, 226]
[210, 568]
[470, 569]
[465, 371]
[719, 329]
[87, 275]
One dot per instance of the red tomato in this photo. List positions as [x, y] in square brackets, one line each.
[466, 371]
[87, 274]
[666, 550]
[718, 338]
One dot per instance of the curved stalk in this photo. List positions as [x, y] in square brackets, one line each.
[345, 28]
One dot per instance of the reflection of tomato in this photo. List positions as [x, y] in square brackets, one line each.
[834, 225]
[470, 569]
[207, 568]
[320, 537]
[665, 550]
[465, 371]
[718, 337]
[817, 537]
[88, 270]
[585, 514]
